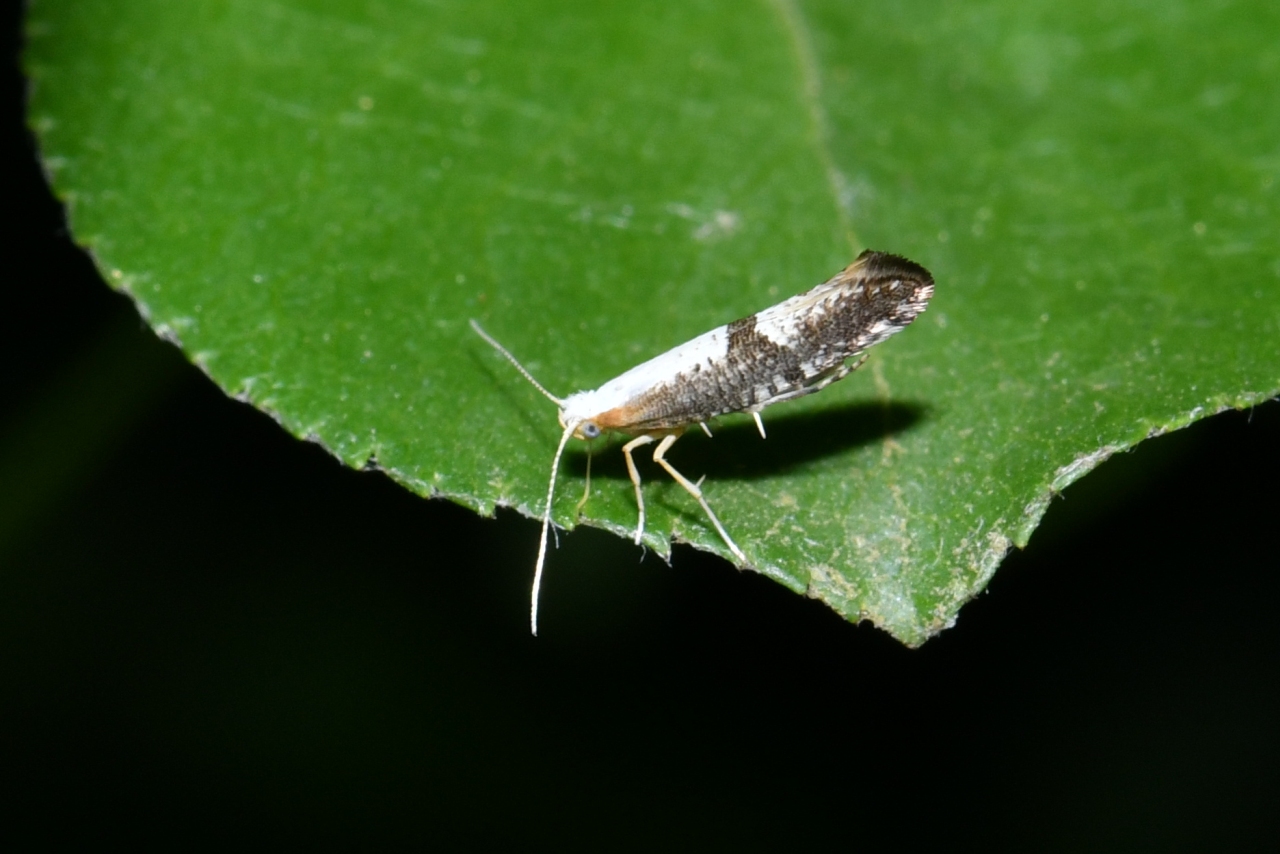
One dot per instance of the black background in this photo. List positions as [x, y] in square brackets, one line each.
[210, 631]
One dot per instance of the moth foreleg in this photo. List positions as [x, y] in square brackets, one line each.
[692, 489]
[586, 490]
[635, 477]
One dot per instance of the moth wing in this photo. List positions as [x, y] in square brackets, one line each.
[871, 299]
[783, 323]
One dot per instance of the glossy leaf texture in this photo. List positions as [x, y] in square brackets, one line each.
[313, 198]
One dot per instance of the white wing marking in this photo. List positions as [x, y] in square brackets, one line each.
[705, 350]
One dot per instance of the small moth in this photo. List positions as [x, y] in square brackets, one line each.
[797, 347]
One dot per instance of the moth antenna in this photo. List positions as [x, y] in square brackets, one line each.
[546, 524]
[519, 367]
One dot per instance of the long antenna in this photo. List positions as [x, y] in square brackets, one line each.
[551, 485]
[519, 367]
[546, 524]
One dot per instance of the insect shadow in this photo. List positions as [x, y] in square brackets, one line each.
[534, 419]
[737, 452]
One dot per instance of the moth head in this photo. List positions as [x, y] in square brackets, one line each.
[582, 428]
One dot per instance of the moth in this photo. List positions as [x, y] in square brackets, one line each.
[797, 347]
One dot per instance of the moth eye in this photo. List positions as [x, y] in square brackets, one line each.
[590, 430]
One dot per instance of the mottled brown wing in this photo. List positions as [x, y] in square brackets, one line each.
[794, 348]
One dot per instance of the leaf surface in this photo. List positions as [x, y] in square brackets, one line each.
[314, 198]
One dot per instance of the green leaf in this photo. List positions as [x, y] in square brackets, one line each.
[314, 198]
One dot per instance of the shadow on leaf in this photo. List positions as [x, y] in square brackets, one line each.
[737, 451]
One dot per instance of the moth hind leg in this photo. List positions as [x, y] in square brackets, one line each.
[848, 368]
[693, 489]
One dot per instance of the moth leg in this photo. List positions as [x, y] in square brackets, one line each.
[635, 477]
[586, 490]
[692, 489]
[845, 370]
[759, 424]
